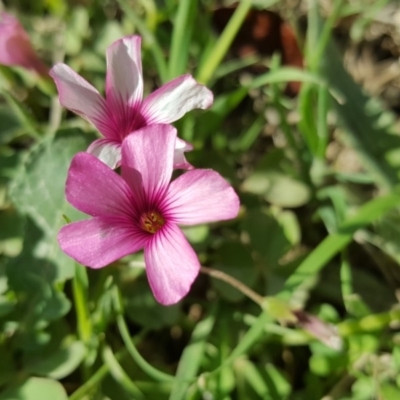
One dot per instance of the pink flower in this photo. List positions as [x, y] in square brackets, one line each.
[124, 111]
[142, 209]
[15, 46]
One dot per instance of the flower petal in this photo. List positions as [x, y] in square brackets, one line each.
[171, 265]
[79, 96]
[95, 189]
[107, 151]
[147, 158]
[99, 241]
[201, 196]
[180, 161]
[124, 82]
[15, 46]
[173, 100]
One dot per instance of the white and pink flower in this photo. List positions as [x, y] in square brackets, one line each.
[123, 109]
[141, 209]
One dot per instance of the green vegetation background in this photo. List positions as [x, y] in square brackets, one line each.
[309, 236]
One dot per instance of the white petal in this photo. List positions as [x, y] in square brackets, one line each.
[124, 82]
[173, 100]
[107, 151]
[79, 96]
[180, 161]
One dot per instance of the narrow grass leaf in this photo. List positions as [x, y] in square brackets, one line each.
[120, 375]
[130, 345]
[208, 67]
[249, 135]
[361, 117]
[22, 113]
[181, 37]
[286, 74]
[247, 340]
[335, 242]
[149, 38]
[80, 294]
[192, 356]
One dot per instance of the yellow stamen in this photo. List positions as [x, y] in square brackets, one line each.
[151, 221]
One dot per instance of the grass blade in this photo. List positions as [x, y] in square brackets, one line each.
[335, 242]
[191, 357]
[207, 68]
[181, 36]
[149, 40]
[362, 119]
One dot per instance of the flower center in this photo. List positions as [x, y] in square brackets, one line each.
[151, 221]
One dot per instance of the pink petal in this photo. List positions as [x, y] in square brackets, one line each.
[99, 241]
[79, 96]
[171, 265]
[173, 100]
[180, 161]
[124, 82]
[95, 189]
[147, 158]
[201, 196]
[107, 151]
[15, 46]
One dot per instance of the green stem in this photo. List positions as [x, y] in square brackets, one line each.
[84, 323]
[79, 289]
[151, 13]
[96, 378]
[346, 280]
[251, 294]
[120, 375]
[130, 346]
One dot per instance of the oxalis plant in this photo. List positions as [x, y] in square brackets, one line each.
[166, 235]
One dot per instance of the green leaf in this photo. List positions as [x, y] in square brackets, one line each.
[223, 104]
[10, 233]
[8, 369]
[77, 30]
[271, 180]
[59, 364]
[9, 125]
[235, 260]
[38, 191]
[277, 188]
[143, 309]
[267, 236]
[389, 392]
[36, 389]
